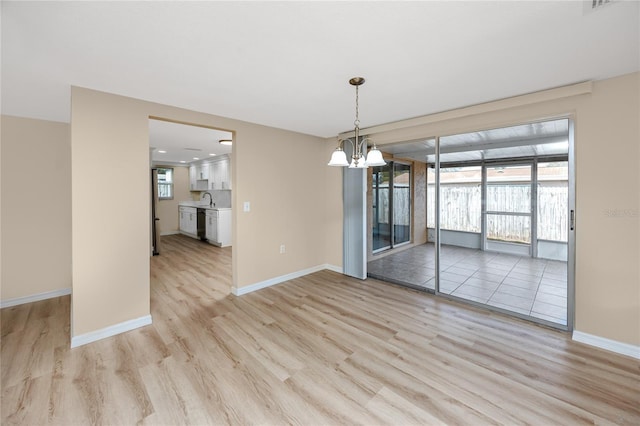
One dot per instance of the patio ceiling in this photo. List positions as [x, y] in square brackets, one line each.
[548, 138]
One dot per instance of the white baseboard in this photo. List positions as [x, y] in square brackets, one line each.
[162, 234]
[277, 280]
[608, 344]
[334, 268]
[35, 297]
[112, 330]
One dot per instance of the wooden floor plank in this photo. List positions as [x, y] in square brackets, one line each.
[319, 349]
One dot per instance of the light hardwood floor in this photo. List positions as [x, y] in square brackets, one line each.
[322, 349]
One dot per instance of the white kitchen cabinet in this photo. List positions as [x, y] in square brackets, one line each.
[193, 177]
[225, 173]
[188, 221]
[218, 227]
[203, 171]
[220, 173]
[212, 174]
[214, 182]
[199, 176]
[212, 226]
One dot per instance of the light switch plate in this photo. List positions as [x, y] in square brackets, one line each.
[247, 206]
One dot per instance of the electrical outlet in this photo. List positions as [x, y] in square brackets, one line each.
[282, 249]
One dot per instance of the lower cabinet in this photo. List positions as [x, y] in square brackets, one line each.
[189, 221]
[218, 227]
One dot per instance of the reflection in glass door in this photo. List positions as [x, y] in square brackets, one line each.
[381, 228]
[391, 210]
[401, 203]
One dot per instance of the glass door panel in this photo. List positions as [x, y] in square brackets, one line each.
[380, 209]
[552, 244]
[509, 255]
[401, 203]
[553, 201]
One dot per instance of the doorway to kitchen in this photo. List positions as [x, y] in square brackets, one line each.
[191, 196]
[194, 180]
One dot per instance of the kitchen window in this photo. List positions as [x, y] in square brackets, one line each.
[165, 184]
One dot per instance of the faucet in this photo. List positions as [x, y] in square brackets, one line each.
[210, 198]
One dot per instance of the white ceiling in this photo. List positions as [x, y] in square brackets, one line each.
[175, 143]
[287, 64]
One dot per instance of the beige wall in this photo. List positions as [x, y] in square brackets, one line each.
[168, 209]
[288, 205]
[608, 180]
[607, 141]
[36, 207]
[332, 224]
[110, 232]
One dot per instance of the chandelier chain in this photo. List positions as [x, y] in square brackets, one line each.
[357, 121]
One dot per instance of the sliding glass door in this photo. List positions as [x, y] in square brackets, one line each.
[518, 259]
[499, 208]
[391, 205]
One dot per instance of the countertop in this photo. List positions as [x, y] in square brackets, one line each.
[199, 205]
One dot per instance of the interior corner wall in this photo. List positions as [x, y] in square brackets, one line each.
[36, 207]
[607, 279]
[280, 173]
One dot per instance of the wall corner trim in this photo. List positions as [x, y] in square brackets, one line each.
[607, 344]
[35, 297]
[162, 234]
[282, 278]
[334, 268]
[112, 330]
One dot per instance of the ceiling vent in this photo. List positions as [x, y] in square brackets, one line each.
[591, 5]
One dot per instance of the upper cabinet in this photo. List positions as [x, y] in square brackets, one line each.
[211, 174]
[220, 174]
[199, 176]
[202, 171]
[193, 178]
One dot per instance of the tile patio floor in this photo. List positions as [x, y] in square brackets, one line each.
[532, 287]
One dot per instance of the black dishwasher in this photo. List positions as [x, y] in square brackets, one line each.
[202, 218]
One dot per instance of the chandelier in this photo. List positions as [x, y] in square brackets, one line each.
[358, 159]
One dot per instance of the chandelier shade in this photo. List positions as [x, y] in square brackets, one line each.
[374, 158]
[338, 158]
